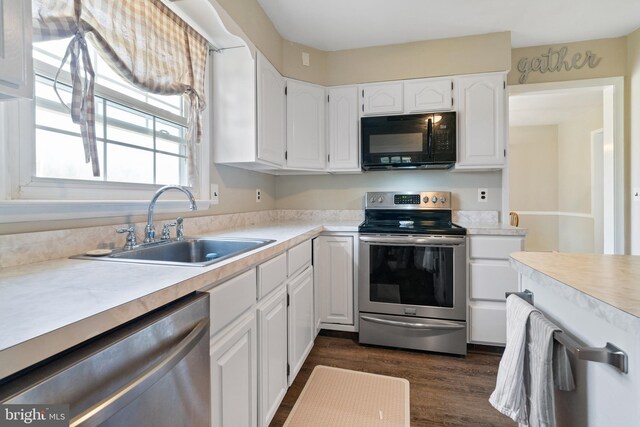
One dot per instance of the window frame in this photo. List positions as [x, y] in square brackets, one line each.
[26, 197]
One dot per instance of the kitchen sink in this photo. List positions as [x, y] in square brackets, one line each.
[189, 251]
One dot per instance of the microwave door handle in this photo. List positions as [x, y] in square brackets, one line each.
[430, 138]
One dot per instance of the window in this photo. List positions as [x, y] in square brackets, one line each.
[141, 136]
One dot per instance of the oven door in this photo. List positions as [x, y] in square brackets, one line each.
[422, 276]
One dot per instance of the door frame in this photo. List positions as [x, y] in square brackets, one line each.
[613, 90]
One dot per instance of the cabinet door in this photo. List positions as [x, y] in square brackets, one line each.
[301, 320]
[428, 95]
[16, 70]
[343, 129]
[306, 142]
[271, 113]
[272, 355]
[234, 376]
[380, 99]
[481, 121]
[333, 261]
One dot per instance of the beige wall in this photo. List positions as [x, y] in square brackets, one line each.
[461, 55]
[613, 63]
[533, 183]
[346, 191]
[633, 132]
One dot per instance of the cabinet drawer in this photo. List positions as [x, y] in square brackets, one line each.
[493, 247]
[271, 274]
[488, 323]
[489, 281]
[299, 257]
[232, 298]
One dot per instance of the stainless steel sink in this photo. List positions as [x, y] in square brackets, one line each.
[192, 252]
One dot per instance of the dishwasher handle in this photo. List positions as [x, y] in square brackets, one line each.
[103, 410]
[440, 326]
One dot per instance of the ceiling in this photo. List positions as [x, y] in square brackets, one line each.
[346, 24]
[552, 107]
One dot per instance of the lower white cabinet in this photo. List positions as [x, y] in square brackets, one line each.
[272, 354]
[301, 320]
[333, 258]
[490, 277]
[233, 375]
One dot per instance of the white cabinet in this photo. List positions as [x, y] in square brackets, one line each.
[334, 279]
[489, 277]
[427, 95]
[481, 121]
[271, 112]
[272, 355]
[16, 69]
[301, 320]
[234, 376]
[343, 129]
[381, 98]
[306, 126]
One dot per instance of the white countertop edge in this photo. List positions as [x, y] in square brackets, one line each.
[605, 311]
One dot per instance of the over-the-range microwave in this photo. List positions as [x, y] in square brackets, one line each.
[413, 141]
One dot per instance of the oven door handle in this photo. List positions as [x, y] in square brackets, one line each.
[415, 240]
[441, 325]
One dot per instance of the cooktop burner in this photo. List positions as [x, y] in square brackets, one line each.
[409, 213]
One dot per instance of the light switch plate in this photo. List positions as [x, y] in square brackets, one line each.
[305, 59]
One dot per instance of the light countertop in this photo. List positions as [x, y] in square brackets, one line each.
[491, 228]
[50, 306]
[612, 279]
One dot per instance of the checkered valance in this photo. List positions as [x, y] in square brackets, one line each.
[143, 40]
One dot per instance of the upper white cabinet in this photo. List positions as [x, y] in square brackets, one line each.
[16, 69]
[306, 126]
[481, 121]
[343, 129]
[334, 273]
[381, 98]
[426, 95]
[271, 113]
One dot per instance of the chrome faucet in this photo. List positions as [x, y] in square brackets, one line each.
[149, 230]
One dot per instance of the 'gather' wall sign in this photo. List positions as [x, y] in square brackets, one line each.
[554, 60]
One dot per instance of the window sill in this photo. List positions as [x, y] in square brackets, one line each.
[50, 210]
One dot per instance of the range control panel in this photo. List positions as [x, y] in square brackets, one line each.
[408, 200]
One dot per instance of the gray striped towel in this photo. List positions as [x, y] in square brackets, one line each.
[532, 363]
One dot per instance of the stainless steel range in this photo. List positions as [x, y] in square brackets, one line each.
[412, 287]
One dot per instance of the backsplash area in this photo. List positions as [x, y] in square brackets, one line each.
[27, 248]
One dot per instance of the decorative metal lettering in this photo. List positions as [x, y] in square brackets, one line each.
[555, 60]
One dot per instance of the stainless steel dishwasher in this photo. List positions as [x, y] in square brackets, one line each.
[153, 371]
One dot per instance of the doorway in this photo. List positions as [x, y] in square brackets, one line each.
[564, 176]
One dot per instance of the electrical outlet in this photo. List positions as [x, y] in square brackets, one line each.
[635, 195]
[215, 195]
[258, 195]
[483, 195]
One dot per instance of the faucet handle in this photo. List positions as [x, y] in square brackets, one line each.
[179, 228]
[166, 233]
[131, 236]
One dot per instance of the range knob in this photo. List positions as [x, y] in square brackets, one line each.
[380, 199]
[443, 199]
[372, 200]
[434, 199]
[425, 199]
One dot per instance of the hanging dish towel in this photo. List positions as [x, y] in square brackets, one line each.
[510, 396]
[542, 374]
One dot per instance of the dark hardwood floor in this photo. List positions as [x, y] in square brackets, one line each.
[444, 390]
